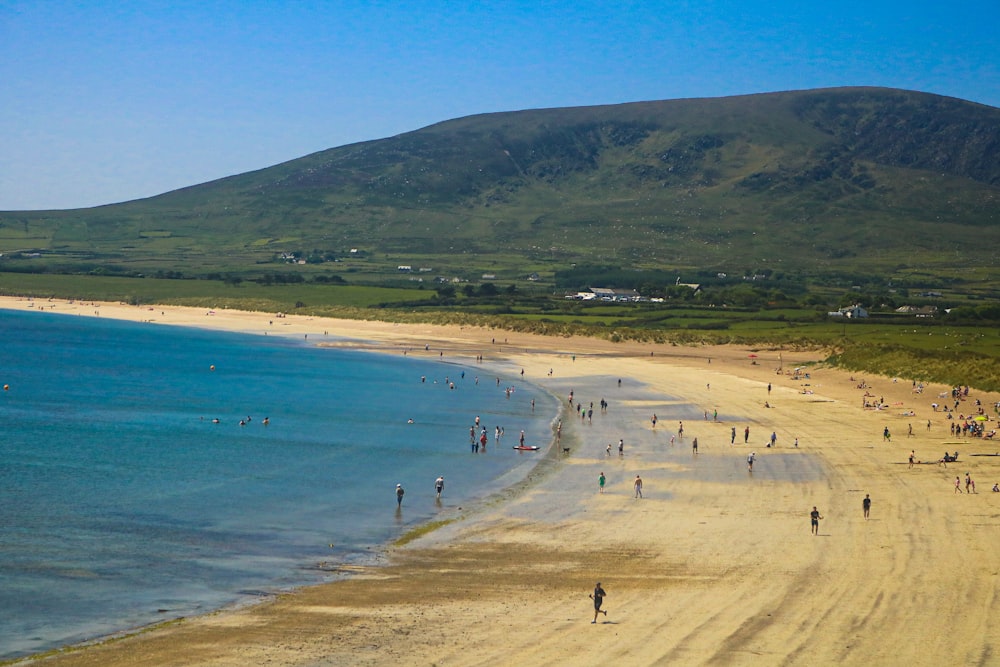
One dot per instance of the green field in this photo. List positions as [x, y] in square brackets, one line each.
[209, 293]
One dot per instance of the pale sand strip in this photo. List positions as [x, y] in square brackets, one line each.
[713, 566]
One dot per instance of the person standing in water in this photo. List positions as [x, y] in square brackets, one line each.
[439, 486]
[399, 495]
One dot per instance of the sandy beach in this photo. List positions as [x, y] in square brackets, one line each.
[713, 565]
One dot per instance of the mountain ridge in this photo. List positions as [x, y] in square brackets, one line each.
[873, 177]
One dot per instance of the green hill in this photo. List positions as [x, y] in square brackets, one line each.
[820, 183]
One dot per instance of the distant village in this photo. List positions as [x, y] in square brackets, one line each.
[609, 294]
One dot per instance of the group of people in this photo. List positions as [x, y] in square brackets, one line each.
[815, 517]
[602, 480]
[970, 484]
[478, 441]
[438, 488]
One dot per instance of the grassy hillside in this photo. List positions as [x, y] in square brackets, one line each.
[820, 183]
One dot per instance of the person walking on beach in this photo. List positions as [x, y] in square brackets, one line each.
[958, 484]
[680, 429]
[439, 486]
[602, 480]
[746, 435]
[694, 446]
[913, 455]
[399, 495]
[886, 437]
[638, 486]
[750, 459]
[968, 482]
[621, 447]
[774, 439]
[732, 437]
[598, 597]
[814, 518]
[866, 505]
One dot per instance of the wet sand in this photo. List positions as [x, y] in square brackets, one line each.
[714, 565]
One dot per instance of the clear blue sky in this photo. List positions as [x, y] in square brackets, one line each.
[110, 101]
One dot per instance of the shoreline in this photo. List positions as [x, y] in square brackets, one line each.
[713, 565]
[332, 570]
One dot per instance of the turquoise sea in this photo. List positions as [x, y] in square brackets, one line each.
[124, 503]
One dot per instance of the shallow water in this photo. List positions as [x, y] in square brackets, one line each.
[122, 503]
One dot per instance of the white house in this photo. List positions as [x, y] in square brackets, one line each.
[854, 312]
